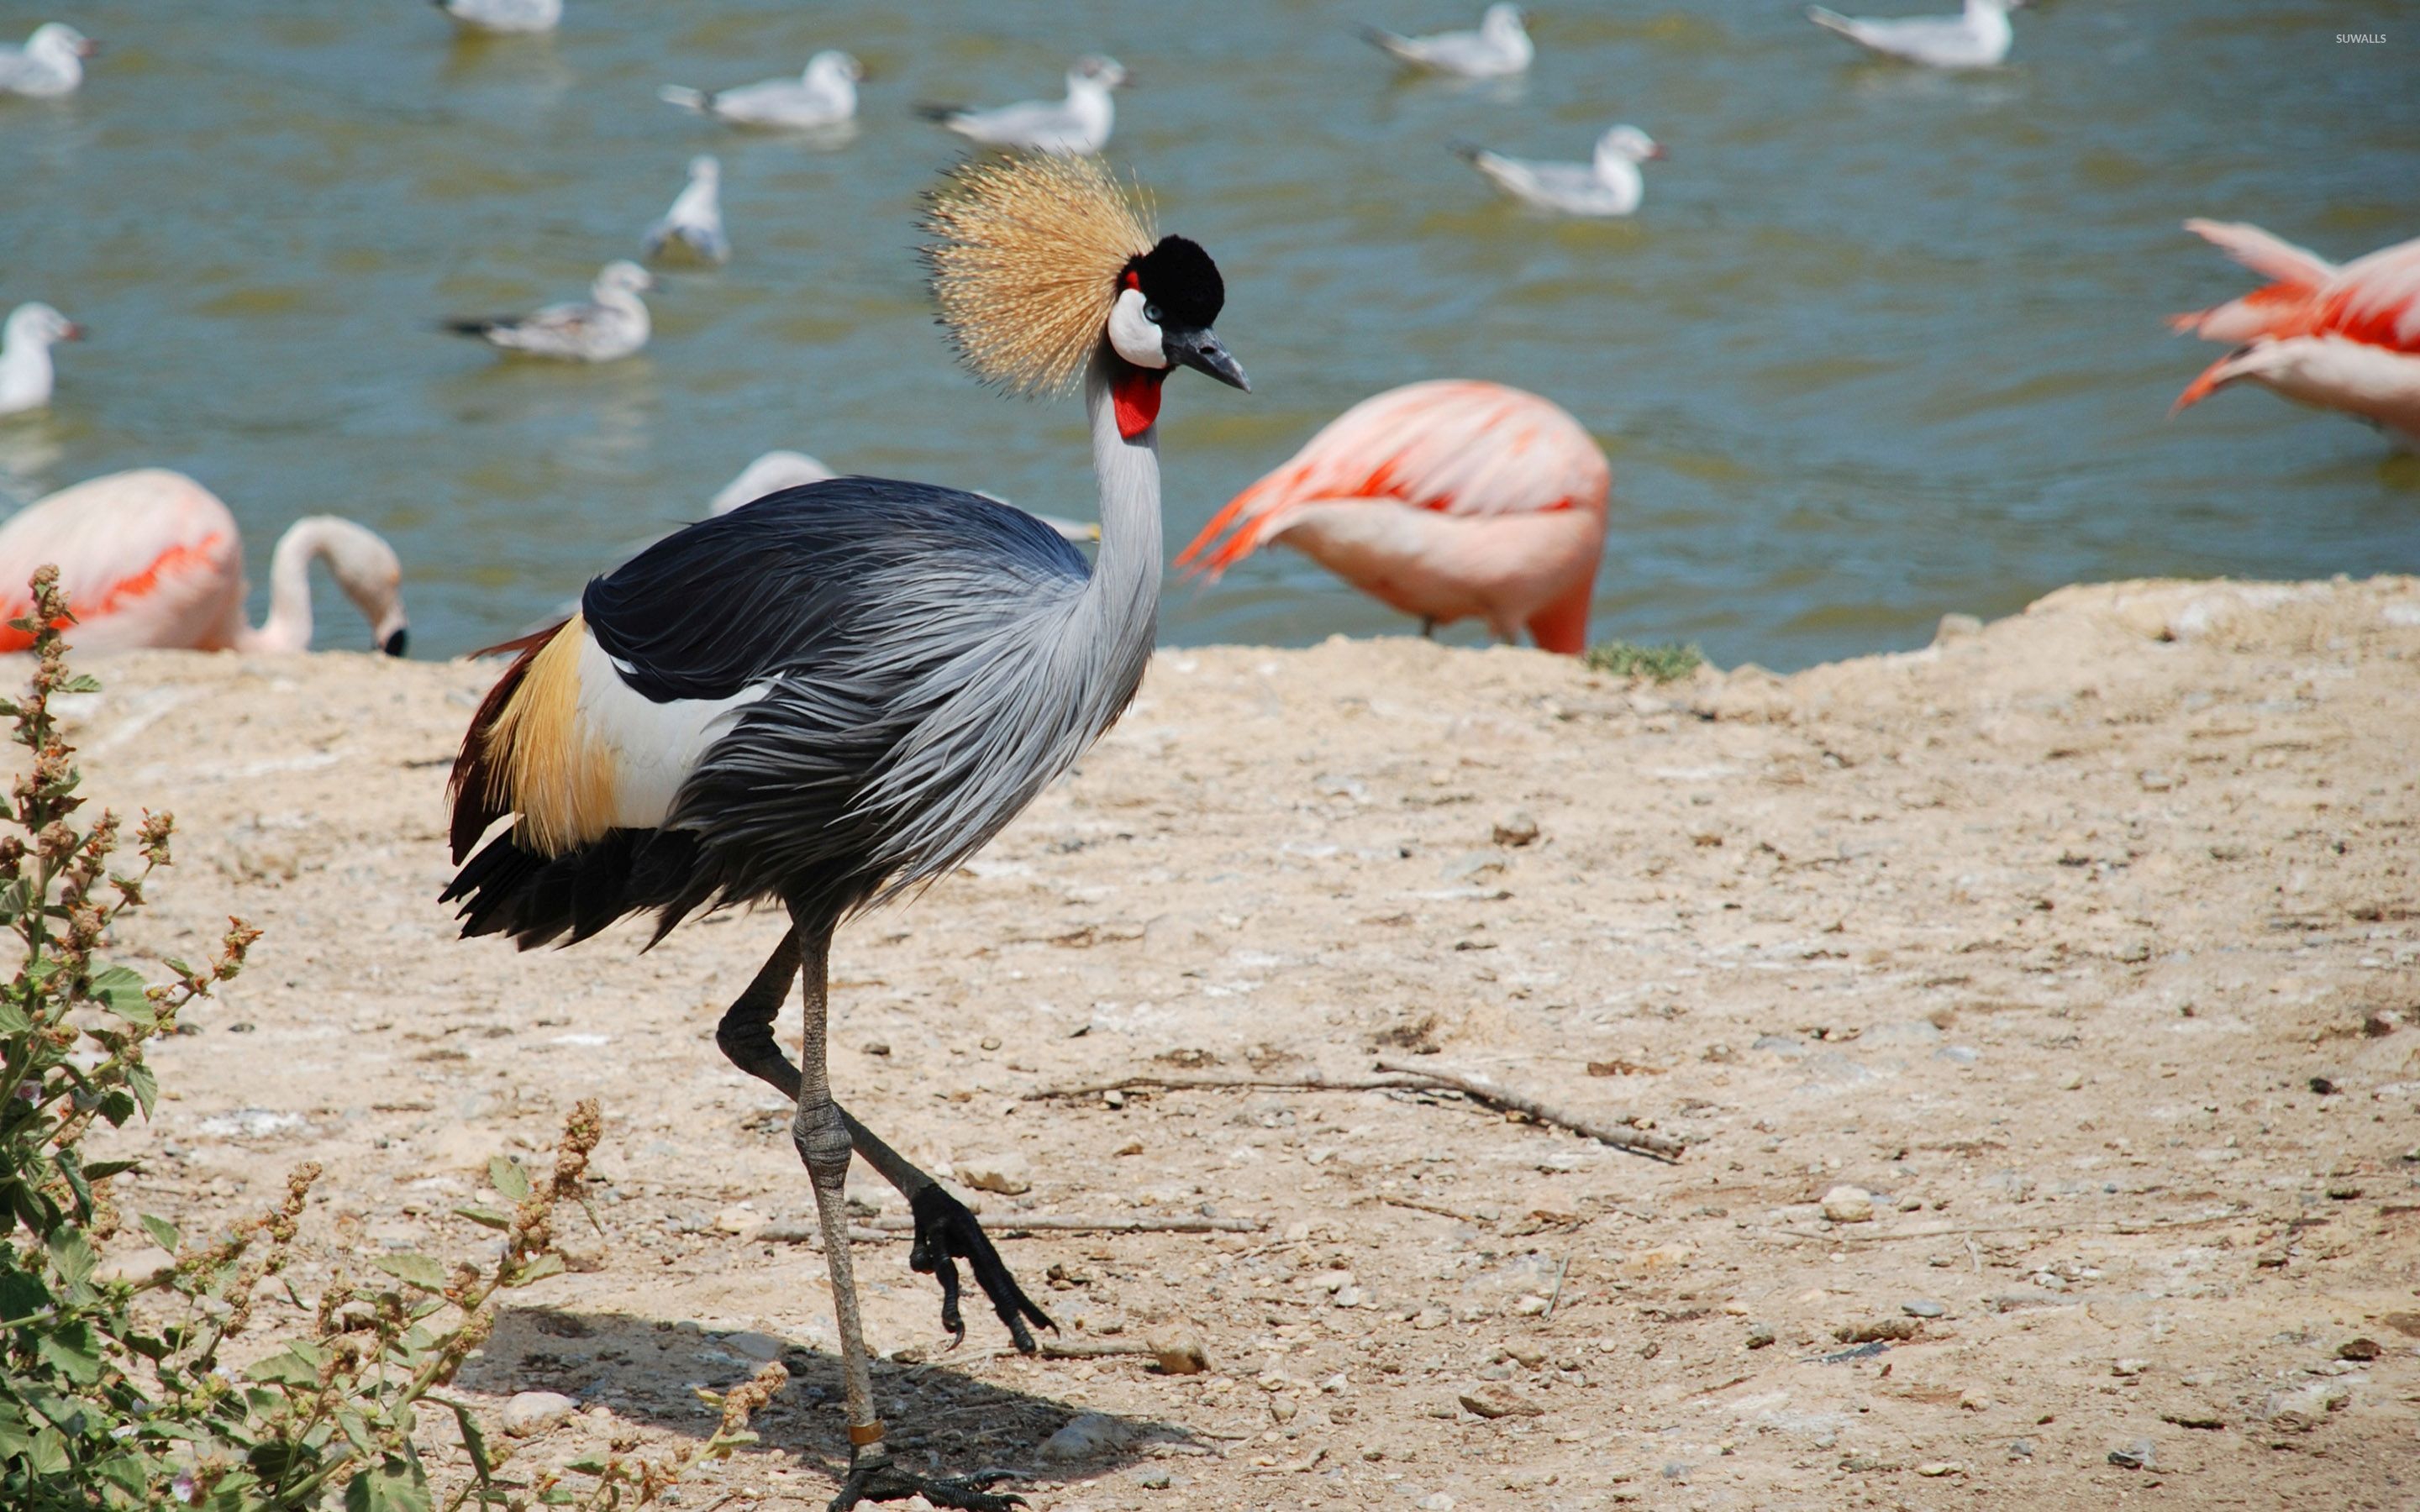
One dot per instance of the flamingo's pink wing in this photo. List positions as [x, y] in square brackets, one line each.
[1457, 446]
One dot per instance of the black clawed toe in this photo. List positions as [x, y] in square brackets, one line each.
[881, 1480]
[946, 1232]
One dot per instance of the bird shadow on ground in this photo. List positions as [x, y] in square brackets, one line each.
[942, 1421]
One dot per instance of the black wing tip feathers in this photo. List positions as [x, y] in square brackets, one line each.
[933, 111]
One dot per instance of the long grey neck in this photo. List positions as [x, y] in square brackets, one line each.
[1120, 608]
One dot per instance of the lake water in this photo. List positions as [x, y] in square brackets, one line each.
[1878, 346]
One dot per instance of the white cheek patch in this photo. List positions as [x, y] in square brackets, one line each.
[1132, 333]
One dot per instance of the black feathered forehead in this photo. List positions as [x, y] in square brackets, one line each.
[1179, 277]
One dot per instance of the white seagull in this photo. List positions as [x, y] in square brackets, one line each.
[823, 96]
[1609, 184]
[504, 15]
[50, 62]
[1499, 49]
[1977, 39]
[1078, 125]
[613, 322]
[25, 355]
[695, 220]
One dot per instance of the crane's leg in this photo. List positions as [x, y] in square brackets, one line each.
[821, 1133]
[946, 1230]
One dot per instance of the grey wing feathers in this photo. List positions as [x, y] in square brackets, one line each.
[914, 642]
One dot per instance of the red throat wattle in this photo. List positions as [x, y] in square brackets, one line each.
[1135, 392]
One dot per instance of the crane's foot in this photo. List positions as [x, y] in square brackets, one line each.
[946, 1232]
[879, 1479]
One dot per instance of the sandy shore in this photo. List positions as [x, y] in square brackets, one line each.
[2046, 938]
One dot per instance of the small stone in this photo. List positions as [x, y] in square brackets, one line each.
[1350, 1296]
[1436, 1501]
[876, 1047]
[1431, 1317]
[1005, 1173]
[2306, 1407]
[1958, 1054]
[582, 1255]
[535, 1412]
[1157, 1478]
[2130, 1367]
[1876, 1330]
[1526, 1353]
[1283, 1409]
[1761, 1335]
[134, 1265]
[753, 1345]
[1937, 1468]
[1660, 1257]
[1179, 1354]
[990, 1042]
[1496, 1399]
[2071, 1082]
[2363, 1348]
[2134, 1456]
[1085, 1436]
[1970, 1400]
[1516, 828]
[1922, 1308]
[2343, 1191]
[738, 1220]
[1849, 1205]
[1530, 1304]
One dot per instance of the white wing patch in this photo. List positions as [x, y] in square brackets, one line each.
[653, 747]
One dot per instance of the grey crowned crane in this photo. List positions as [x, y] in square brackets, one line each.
[840, 691]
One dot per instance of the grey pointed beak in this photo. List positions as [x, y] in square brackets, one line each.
[1201, 351]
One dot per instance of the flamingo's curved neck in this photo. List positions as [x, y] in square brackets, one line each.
[289, 625]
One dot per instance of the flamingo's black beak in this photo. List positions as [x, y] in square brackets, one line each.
[1201, 351]
[397, 642]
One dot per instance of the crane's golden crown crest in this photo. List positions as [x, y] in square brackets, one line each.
[1026, 261]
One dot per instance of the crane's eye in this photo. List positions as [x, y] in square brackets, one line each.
[1150, 312]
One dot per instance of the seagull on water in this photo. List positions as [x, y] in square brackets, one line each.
[823, 96]
[1609, 184]
[50, 64]
[504, 15]
[612, 323]
[695, 220]
[1078, 125]
[25, 341]
[1977, 37]
[1498, 49]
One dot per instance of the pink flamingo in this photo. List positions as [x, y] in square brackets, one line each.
[1450, 500]
[2341, 337]
[152, 559]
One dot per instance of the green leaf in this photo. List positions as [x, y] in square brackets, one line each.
[21, 1291]
[508, 1178]
[556, 1496]
[537, 1270]
[286, 1367]
[116, 1105]
[124, 992]
[474, 1443]
[80, 683]
[393, 1485]
[590, 1466]
[163, 1232]
[145, 1085]
[71, 1350]
[72, 1256]
[12, 1018]
[486, 1217]
[357, 1430]
[414, 1271]
[102, 1170]
[48, 1454]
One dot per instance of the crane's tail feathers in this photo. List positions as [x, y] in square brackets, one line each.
[944, 113]
[2262, 251]
[474, 788]
[684, 97]
[536, 899]
[1832, 21]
